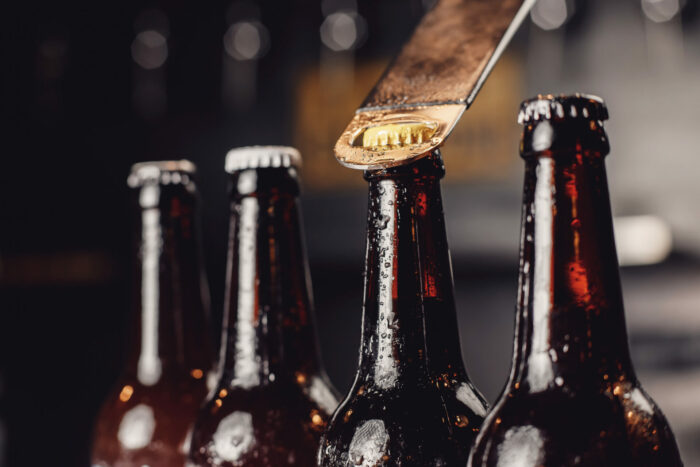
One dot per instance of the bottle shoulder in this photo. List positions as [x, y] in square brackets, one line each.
[428, 425]
[619, 426]
[442, 390]
[167, 393]
[314, 388]
[143, 425]
[318, 388]
[252, 434]
[282, 402]
[391, 434]
[463, 402]
[270, 424]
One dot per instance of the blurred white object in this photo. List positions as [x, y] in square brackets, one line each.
[551, 14]
[661, 10]
[642, 240]
[246, 40]
[150, 49]
[343, 30]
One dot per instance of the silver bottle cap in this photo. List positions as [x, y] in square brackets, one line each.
[262, 157]
[162, 173]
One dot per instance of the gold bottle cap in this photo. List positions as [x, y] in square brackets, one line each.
[397, 134]
[378, 139]
[161, 172]
[261, 157]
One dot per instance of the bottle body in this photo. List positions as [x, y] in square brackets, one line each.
[400, 409]
[147, 425]
[572, 397]
[272, 399]
[147, 419]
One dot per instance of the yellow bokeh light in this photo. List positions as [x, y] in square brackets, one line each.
[316, 419]
[126, 393]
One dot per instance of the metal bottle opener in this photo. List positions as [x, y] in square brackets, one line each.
[434, 79]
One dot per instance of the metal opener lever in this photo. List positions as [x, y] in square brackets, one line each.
[433, 80]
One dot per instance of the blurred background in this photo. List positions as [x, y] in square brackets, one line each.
[88, 88]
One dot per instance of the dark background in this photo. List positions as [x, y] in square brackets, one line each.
[78, 109]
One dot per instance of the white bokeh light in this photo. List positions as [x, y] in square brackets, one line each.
[550, 14]
[246, 40]
[343, 30]
[149, 49]
[642, 240]
[660, 11]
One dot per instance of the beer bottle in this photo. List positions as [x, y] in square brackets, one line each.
[273, 399]
[572, 397]
[147, 419]
[412, 403]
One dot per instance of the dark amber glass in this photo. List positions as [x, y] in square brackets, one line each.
[412, 403]
[273, 399]
[148, 417]
[572, 397]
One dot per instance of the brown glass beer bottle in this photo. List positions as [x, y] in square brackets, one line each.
[572, 397]
[147, 419]
[412, 403]
[273, 399]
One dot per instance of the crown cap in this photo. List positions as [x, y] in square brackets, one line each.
[262, 157]
[161, 172]
[562, 107]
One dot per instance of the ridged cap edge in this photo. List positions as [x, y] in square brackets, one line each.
[562, 107]
[162, 172]
[261, 157]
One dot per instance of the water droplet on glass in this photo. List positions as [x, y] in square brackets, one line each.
[382, 221]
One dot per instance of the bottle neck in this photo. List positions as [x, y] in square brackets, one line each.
[268, 329]
[437, 283]
[570, 320]
[408, 298]
[170, 333]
